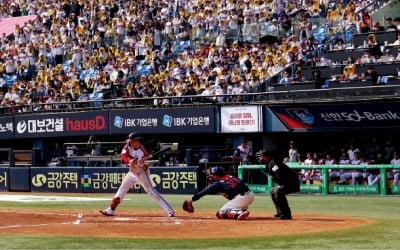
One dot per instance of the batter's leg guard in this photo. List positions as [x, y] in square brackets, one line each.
[114, 203]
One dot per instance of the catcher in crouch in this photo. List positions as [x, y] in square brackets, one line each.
[135, 154]
[234, 189]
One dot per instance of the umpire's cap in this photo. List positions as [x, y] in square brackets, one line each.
[218, 171]
[133, 136]
[274, 154]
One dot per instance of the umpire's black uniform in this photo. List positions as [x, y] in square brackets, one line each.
[287, 180]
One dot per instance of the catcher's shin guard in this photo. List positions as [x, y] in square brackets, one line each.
[229, 214]
[222, 214]
[114, 203]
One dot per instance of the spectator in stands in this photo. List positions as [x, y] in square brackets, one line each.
[397, 42]
[298, 77]
[94, 146]
[374, 178]
[339, 44]
[374, 46]
[293, 153]
[71, 150]
[349, 72]
[397, 22]
[314, 61]
[56, 154]
[244, 152]
[365, 22]
[308, 174]
[344, 157]
[387, 57]
[94, 43]
[317, 79]
[367, 57]
[352, 149]
[388, 150]
[396, 171]
[390, 25]
[333, 173]
[397, 57]
[377, 27]
[285, 79]
[353, 174]
[372, 74]
[372, 147]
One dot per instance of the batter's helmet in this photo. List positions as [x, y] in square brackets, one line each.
[218, 171]
[133, 136]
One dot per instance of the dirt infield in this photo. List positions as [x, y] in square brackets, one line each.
[154, 224]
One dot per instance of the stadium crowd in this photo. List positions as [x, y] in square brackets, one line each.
[106, 49]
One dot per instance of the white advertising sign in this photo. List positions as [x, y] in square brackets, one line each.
[241, 119]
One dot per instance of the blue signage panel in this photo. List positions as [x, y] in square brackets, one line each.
[176, 180]
[166, 180]
[366, 115]
[6, 128]
[177, 120]
[57, 179]
[4, 180]
[105, 180]
[61, 124]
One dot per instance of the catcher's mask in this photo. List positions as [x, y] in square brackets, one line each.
[272, 154]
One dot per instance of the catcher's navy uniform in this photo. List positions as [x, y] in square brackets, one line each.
[234, 189]
[288, 182]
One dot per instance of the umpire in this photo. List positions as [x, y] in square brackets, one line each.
[287, 180]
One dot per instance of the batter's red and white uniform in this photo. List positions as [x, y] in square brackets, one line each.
[139, 175]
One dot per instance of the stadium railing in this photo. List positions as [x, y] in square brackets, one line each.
[325, 187]
[381, 92]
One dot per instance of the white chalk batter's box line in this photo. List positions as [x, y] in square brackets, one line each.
[81, 220]
[44, 198]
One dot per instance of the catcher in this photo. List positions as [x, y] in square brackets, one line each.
[135, 154]
[234, 189]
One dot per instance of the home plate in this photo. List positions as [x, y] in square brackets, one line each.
[124, 219]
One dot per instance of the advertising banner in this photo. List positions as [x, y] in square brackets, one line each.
[105, 180]
[6, 128]
[59, 179]
[176, 180]
[365, 115]
[241, 119]
[177, 120]
[61, 124]
[4, 178]
[168, 180]
[171, 180]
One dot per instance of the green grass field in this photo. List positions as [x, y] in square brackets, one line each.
[383, 234]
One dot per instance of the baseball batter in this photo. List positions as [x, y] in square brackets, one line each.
[135, 154]
[234, 189]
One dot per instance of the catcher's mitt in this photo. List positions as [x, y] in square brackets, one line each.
[188, 206]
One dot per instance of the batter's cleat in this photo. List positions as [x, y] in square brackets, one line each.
[171, 214]
[107, 212]
[277, 215]
[243, 215]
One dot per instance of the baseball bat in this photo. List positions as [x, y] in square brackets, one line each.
[156, 153]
